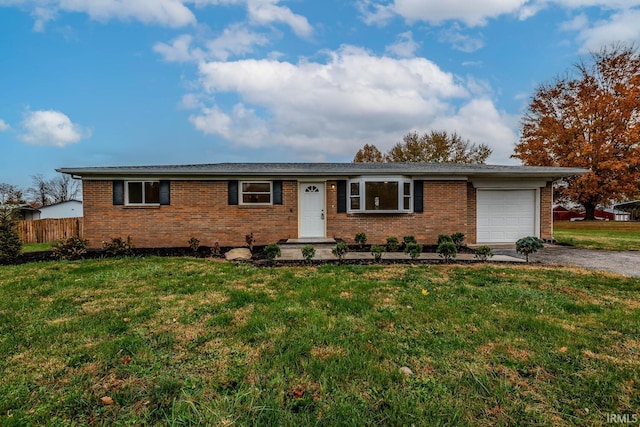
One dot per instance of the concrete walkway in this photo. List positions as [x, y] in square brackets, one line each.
[293, 252]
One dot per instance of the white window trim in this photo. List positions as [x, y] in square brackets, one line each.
[241, 193]
[363, 196]
[126, 192]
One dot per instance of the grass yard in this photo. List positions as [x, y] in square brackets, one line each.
[608, 235]
[36, 247]
[182, 341]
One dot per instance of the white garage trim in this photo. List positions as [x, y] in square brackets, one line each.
[506, 215]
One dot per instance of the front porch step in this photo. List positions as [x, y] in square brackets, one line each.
[310, 241]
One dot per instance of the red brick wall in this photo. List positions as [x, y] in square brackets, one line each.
[445, 212]
[198, 209]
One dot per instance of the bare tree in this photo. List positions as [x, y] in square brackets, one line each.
[10, 194]
[61, 188]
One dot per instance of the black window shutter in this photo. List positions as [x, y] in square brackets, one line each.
[277, 192]
[418, 196]
[342, 196]
[118, 192]
[232, 195]
[165, 192]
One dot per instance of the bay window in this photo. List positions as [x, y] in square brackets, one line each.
[381, 195]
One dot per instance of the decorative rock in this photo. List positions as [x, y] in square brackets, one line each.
[406, 370]
[238, 254]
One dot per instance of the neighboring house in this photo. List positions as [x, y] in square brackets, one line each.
[68, 209]
[560, 213]
[24, 211]
[164, 206]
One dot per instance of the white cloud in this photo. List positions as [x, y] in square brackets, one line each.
[179, 50]
[404, 47]
[619, 27]
[51, 128]
[460, 41]
[4, 126]
[42, 15]
[480, 122]
[235, 40]
[265, 12]
[332, 108]
[473, 13]
[170, 13]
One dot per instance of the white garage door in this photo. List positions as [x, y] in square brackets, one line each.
[505, 215]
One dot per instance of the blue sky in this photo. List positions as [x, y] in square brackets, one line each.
[133, 82]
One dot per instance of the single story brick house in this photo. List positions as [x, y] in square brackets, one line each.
[164, 206]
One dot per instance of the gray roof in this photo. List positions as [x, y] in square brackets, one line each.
[221, 170]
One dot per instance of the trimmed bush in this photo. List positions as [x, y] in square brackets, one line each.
[483, 253]
[308, 252]
[272, 251]
[377, 251]
[118, 246]
[194, 244]
[447, 250]
[70, 248]
[458, 239]
[529, 245]
[361, 239]
[413, 249]
[340, 250]
[444, 238]
[406, 240]
[392, 244]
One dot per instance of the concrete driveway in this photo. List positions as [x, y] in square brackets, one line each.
[621, 262]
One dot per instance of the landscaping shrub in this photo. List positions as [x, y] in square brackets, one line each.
[361, 239]
[10, 244]
[70, 248]
[272, 251]
[340, 250]
[483, 253]
[118, 246]
[414, 249]
[216, 251]
[250, 240]
[308, 252]
[406, 240]
[194, 244]
[447, 250]
[377, 251]
[458, 239]
[392, 244]
[529, 245]
[444, 238]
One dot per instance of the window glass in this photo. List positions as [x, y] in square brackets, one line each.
[407, 196]
[355, 203]
[152, 192]
[256, 193]
[135, 192]
[256, 187]
[381, 196]
[355, 188]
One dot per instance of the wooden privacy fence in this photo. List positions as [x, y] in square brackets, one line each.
[50, 230]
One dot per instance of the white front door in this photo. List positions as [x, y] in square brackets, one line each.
[312, 215]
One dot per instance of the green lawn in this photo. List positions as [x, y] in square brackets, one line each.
[614, 240]
[183, 341]
[36, 247]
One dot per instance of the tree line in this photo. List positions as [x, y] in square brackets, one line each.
[43, 191]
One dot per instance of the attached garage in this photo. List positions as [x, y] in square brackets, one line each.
[506, 215]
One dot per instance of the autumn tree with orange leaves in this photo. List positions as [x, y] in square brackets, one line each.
[435, 146]
[589, 119]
